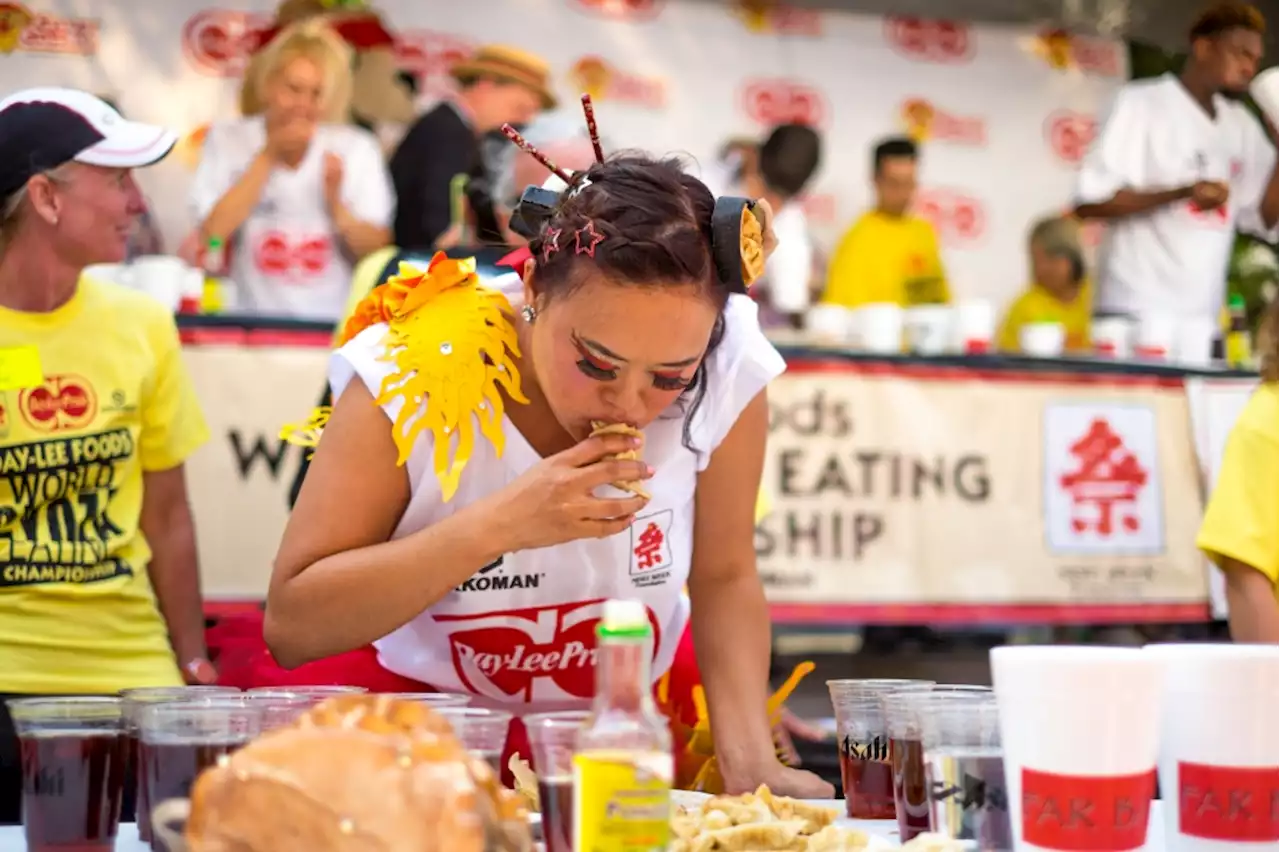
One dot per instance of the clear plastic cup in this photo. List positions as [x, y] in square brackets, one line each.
[434, 700]
[964, 767]
[319, 693]
[73, 770]
[866, 771]
[134, 700]
[180, 739]
[553, 740]
[483, 731]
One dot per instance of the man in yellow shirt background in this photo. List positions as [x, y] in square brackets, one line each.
[1241, 527]
[1060, 290]
[890, 254]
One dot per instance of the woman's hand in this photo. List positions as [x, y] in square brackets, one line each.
[553, 501]
[790, 726]
[781, 781]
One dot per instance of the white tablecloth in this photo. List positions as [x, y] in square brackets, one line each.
[11, 838]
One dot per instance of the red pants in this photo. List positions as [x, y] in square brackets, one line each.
[244, 661]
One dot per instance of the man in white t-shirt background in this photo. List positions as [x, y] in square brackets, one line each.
[1179, 164]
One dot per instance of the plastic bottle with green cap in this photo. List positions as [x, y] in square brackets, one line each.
[624, 767]
[1238, 348]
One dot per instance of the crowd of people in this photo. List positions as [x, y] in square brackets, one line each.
[99, 583]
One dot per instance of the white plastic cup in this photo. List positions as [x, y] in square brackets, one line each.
[928, 329]
[1042, 339]
[878, 328]
[1154, 337]
[1080, 744]
[828, 323]
[1219, 746]
[1112, 337]
[1193, 342]
[973, 328]
[1265, 90]
[161, 276]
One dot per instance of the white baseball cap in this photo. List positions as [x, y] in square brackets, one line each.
[43, 128]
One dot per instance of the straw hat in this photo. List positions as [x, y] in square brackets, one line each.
[511, 65]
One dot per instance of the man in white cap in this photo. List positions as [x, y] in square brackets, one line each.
[98, 577]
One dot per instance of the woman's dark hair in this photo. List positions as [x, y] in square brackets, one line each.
[654, 225]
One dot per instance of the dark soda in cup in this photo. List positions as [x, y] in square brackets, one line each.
[866, 774]
[555, 795]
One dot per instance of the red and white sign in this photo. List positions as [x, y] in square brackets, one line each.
[534, 654]
[217, 42]
[958, 217]
[1236, 804]
[782, 101]
[1070, 134]
[929, 40]
[651, 549]
[1102, 480]
[276, 254]
[631, 10]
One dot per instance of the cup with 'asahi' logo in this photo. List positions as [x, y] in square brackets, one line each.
[1220, 746]
[1080, 742]
[866, 767]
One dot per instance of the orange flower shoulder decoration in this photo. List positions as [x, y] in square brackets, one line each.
[452, 344]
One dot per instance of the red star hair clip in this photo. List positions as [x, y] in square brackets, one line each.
[593, 239]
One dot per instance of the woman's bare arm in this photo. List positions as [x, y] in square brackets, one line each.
[338, 582]
[1251, 603]
[235, 205]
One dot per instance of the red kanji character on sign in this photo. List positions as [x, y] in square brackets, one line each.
[648, 549]
[1109, 476]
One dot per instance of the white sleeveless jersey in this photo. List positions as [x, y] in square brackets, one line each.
[521, 631]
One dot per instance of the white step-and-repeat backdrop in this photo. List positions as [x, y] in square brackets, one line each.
[1004, 113]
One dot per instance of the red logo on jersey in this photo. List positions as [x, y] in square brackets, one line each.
[929, 40]
[957, 217]
[275, 254]
[530, 654]
[62, 402]
[217, 42]
[1070, 134]
[781, 101]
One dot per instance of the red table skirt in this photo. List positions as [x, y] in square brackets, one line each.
[243, 661]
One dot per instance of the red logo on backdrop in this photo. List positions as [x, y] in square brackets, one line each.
[275, 254]
[62, 402]
[1086, 812]
[780, 101]
[626, 9]
[1104, 488]
[529, 653]
[958, 218]
[594, 76]
[1232, 803]
[1070, 134]
[820, 209]
[928, 39]
[1062, 50]
[924, 120]
[217, 42]
[774, 17]
[429, 56]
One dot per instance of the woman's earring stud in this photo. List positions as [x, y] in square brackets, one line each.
[528, 314]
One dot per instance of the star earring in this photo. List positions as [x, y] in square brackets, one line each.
[528, 314]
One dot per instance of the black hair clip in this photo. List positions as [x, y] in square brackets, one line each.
[534, 210]
[726, 240]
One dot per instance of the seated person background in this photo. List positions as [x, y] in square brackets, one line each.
[1239, 532]
[1060, 290]
[890, 254]
[787, 161]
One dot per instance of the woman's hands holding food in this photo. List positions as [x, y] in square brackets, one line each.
[553, 502]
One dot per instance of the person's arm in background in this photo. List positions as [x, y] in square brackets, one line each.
[221, 200]
[1241, 530]
[421, 170]
[172, 429]
[1014, 318]
[360, 199]
[852, 278]
[1256, 184]
[789, 270]
[1111, 169]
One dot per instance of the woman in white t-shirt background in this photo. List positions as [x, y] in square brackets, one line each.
[401, 569]
[296, 199]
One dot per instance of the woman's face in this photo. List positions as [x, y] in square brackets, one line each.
[296, 92]
[93, 211]
[617, 353]
[1052, 272]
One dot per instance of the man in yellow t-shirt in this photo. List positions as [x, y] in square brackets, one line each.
[889, 255]
[1060, 290]
[1241, 527]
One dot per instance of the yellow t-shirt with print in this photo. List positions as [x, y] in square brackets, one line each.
[886, 258]
[111, 401]
[1037, 304]
[1241, 521]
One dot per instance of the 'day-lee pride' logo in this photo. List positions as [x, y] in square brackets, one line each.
[929, 40]
[604, 82]
[958, 218]
[529, 654]
[924, 120]
[61, 402]
[1070, 134]
[41, 32]
[631, 10]
[217, 42]
[781, 101]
